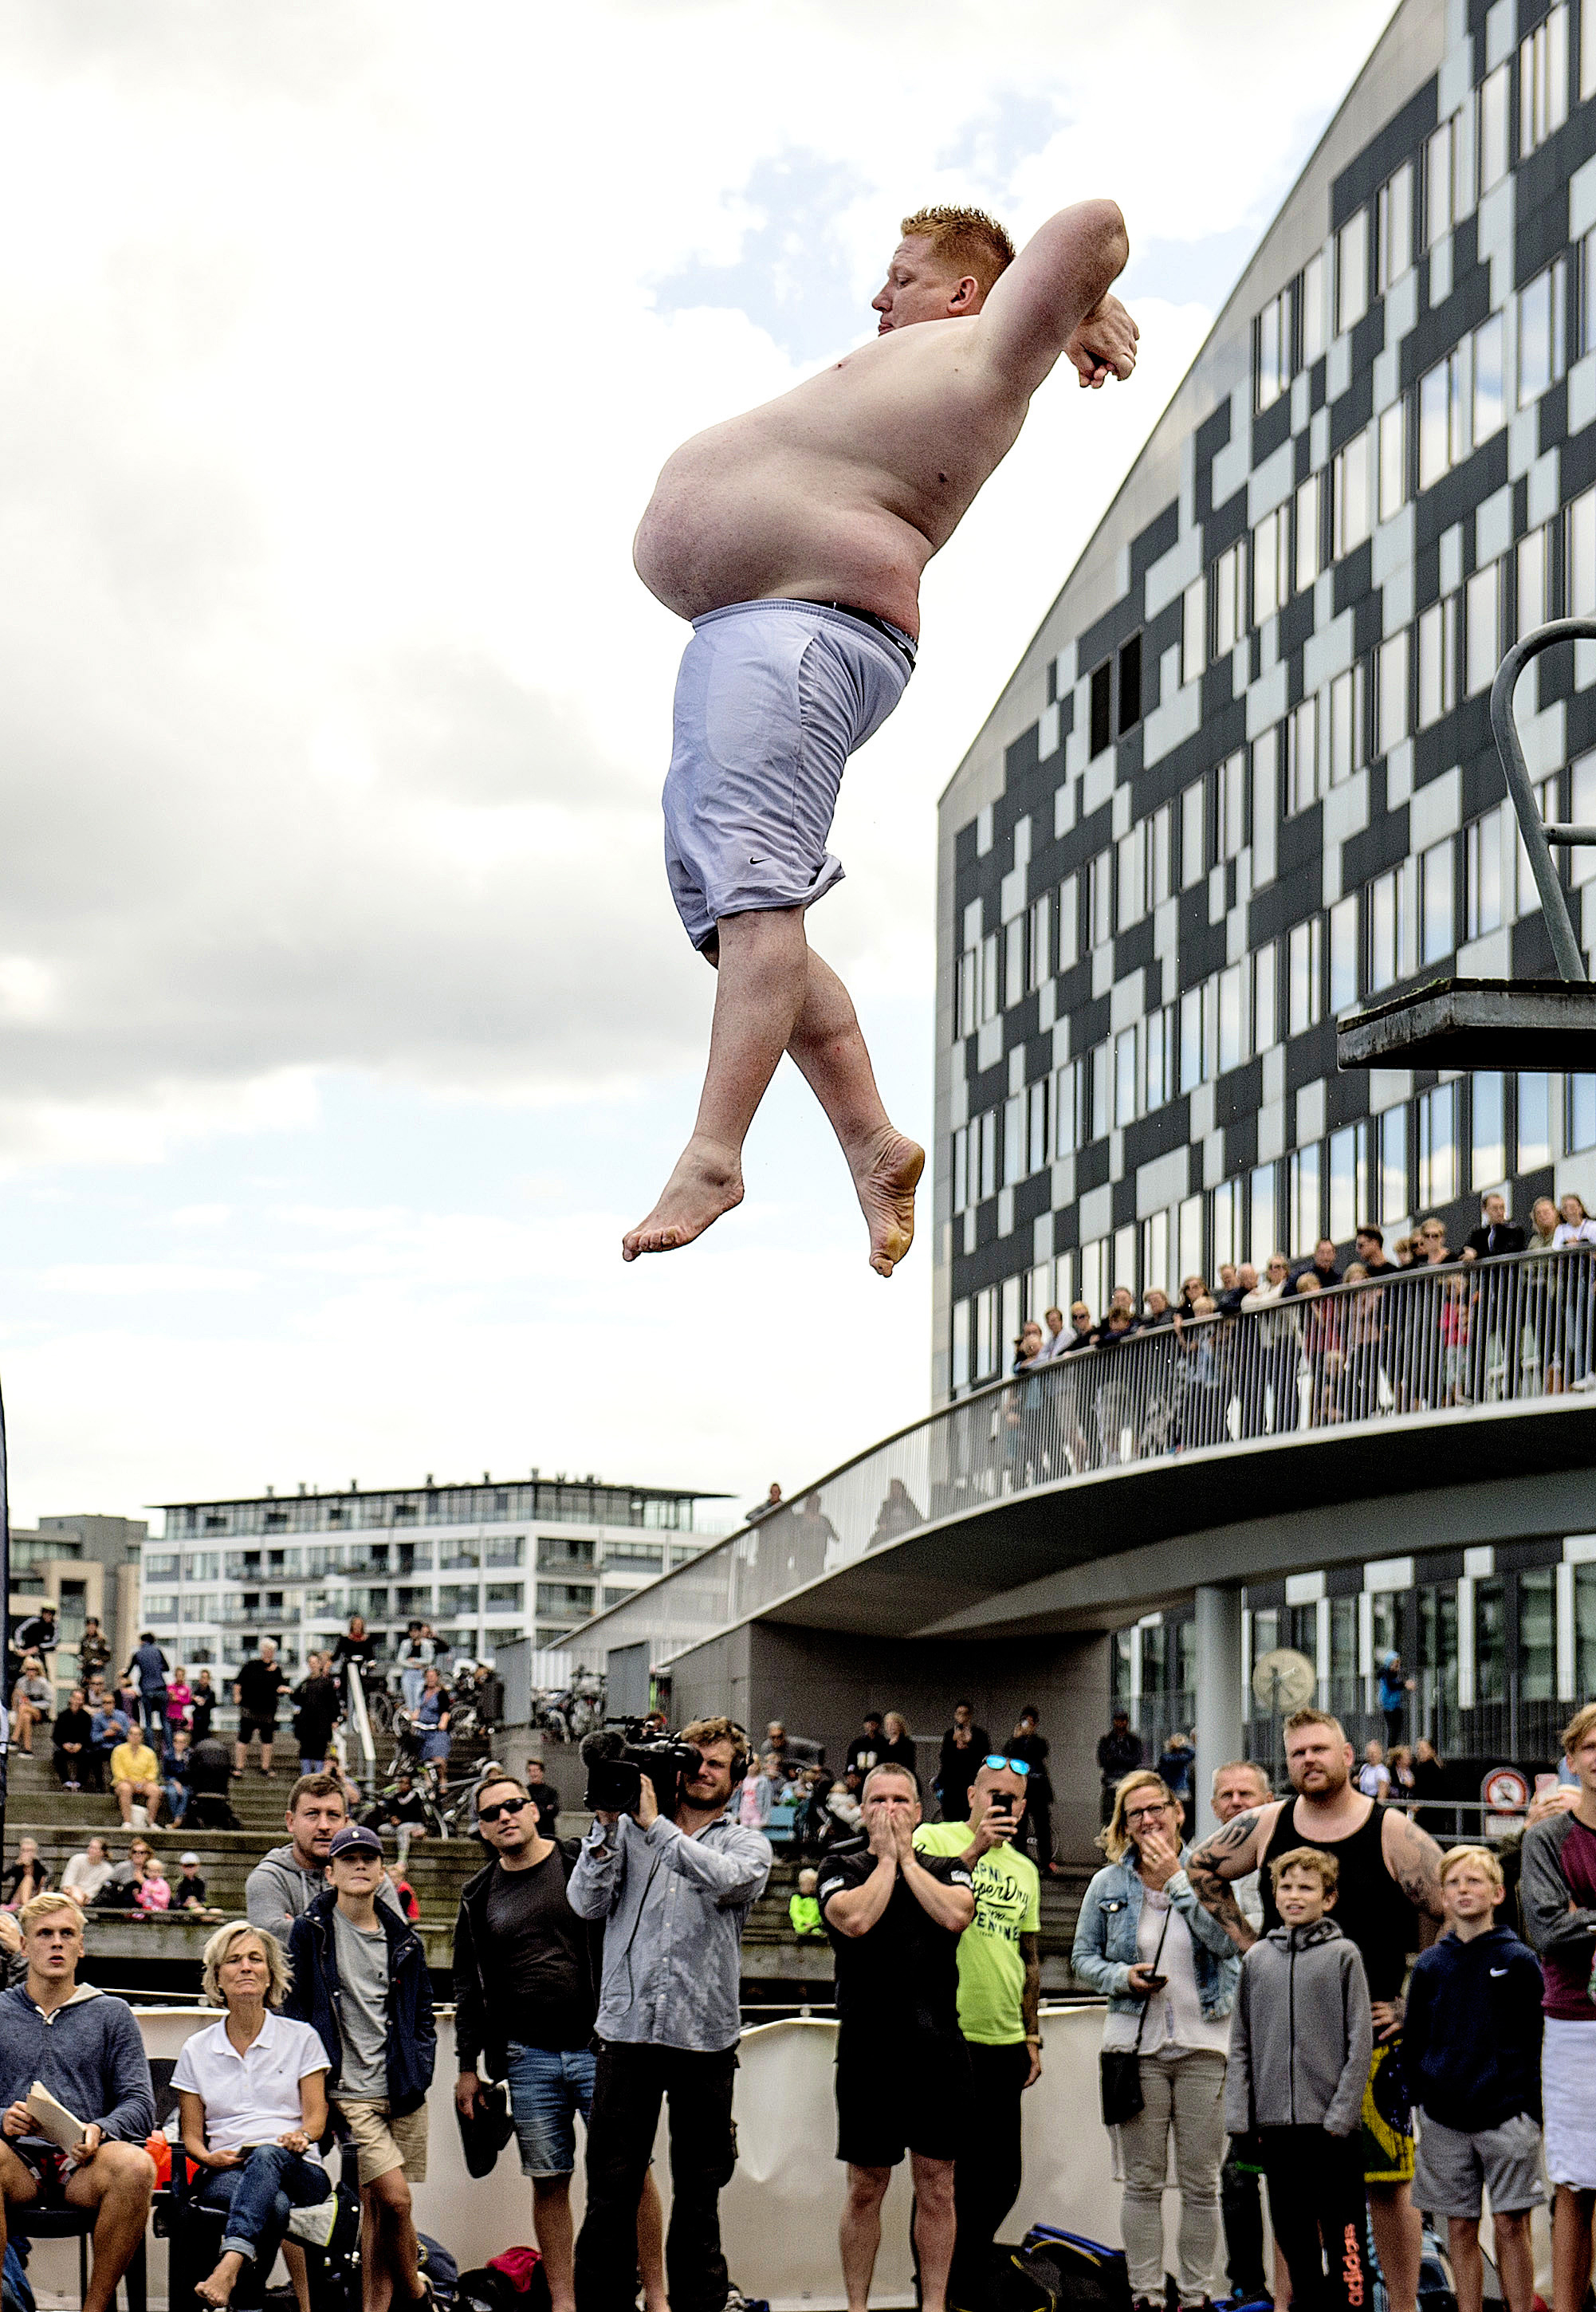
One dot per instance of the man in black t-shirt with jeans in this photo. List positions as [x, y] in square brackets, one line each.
[526, 1989]
[895, 1918]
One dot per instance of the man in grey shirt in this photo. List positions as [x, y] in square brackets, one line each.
[675, 1892]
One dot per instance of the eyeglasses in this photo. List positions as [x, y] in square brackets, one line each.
[1016, 1765]
[1147, 1814]
[502, 1806]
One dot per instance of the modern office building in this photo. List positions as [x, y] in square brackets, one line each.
[1241, 781]
[82, 1565]
[484, 1563]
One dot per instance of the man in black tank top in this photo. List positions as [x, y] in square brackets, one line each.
[1389, 1902]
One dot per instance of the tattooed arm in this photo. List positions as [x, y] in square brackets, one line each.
[1231, 1853]
[1414, 1860]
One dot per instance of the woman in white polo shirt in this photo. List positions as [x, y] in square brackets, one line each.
[252, 2098]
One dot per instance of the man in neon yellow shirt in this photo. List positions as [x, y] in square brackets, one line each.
[135, 1776]
[1000, 1982]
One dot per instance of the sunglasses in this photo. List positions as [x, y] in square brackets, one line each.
[503, 1805]
[1016, 1765]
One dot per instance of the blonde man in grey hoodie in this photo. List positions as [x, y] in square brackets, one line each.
[1301, 2040]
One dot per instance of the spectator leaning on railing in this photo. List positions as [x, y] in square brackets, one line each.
[1557, 1894]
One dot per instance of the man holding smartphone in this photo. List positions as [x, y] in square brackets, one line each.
[1000, 1985]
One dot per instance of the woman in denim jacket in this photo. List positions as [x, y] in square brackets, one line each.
[1141, 1896]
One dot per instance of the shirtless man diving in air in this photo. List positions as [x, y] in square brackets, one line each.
[794, 538]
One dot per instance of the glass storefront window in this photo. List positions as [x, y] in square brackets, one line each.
[1301, 1628]
[1584, 1629]
[1155, 1644]
[1490, 1640]
[1121, 1664]
[1186, 1657]
[1537, 1634]
[1265, 1633]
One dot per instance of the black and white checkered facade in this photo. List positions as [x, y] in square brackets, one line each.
[1243, 778]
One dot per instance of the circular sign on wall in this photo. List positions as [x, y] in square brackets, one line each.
[1505, 1792]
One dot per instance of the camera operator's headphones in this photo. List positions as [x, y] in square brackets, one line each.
[740, 1765]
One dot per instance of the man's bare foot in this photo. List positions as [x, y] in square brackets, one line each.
[705, 1184]
[886, 1179]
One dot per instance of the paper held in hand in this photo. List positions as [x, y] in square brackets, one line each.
[54, 2118]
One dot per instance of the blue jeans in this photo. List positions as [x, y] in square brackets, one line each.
[411, 1682]
[153, 1704]
[549, 2086]
[177, 1799]
[259, 2198]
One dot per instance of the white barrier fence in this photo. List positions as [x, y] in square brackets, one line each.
[779, 2213]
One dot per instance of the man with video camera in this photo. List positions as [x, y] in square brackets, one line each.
[674, 1883]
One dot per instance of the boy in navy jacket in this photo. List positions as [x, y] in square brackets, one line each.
[1472, 2054]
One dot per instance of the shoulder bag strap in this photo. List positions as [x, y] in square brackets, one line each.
[1158, 1954]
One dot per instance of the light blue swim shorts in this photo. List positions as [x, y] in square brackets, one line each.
[772, 700]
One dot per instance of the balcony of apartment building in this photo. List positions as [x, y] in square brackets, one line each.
[1413, 1459]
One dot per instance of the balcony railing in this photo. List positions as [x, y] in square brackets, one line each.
[1443, 1338]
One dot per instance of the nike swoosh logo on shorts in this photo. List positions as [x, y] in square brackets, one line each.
[1498, 1970]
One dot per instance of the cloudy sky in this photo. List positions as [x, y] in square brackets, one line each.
[344, 1022]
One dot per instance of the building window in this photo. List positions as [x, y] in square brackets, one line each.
[1579, 1111]
[1343, 955]
[1039, 1098]
[506, 1594]
[1162, 855]
[1435, 879]
[1194, 630]
[1535, 1123]
[1392, 1134]
[1581, 554]
[1349, 496]
[1542, 333]
[1437, 661]
[1307, 530]
[1304, 976]
[1442, 411]
[1494, 126]
[1483, 840]
[1233, 1018]
[1231, 795]
[1230, 598]
[1272, 340]
[1100, 899]
[961, 1357]
[1265, 970]
[1132, 876]
[1441, 182]
[1193, 834]
[1302, 755]
[1490, 389]
[1041, 941]
[1069, 923]
[1159, 1057]
[1102, 707]
[1013, 1139]
[161, 1568]
[1349, 1186]
[1482, 628]
[1345, 738]
[1438, 1145]
[1392, 704]
[1304, 1197]
[1125, 1078]
[1533, 574]
[1543, 81]
[1351, 271]
[1393, 228]
[1130, 683]
[1487, 1133]
[1393, 458]
[1271, 563]
[1262, 1232]
[1392, 927]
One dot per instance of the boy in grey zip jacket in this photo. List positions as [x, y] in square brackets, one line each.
[1301, 2041]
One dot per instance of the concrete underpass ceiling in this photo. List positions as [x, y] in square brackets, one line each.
[1094, 1551]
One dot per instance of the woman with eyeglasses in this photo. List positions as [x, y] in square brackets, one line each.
[1575, 1228]
[1270, 1352]
[1171, 1972]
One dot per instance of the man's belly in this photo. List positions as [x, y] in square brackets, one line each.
[722, 528]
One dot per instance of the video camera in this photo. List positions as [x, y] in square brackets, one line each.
[618, 1757]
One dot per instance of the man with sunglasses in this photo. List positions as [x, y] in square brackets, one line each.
[526, 1990]
[1000, 1989]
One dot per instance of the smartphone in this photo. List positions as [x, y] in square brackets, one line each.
[1155, 1981]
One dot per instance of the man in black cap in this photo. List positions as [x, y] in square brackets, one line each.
[1118, 1754]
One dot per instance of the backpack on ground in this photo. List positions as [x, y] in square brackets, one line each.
[440, 2268]
[1055, 2271]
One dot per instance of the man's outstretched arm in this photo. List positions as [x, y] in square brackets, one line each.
[1048, 301]
[1231, 1853]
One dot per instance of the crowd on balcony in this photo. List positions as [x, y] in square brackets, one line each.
[1309, 1342]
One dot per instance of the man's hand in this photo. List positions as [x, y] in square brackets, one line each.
[17, 2120]
[220, 2160]
[903, 1832]
[1035, 2072]
[295, 2141]
[648, 1804]
[1386, 2015]
[1105, 343]
[883, 1838]
[468, 2088]
[82, 2153]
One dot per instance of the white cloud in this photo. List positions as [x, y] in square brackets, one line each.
[342, 349]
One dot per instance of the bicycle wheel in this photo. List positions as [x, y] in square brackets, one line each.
[379, 1708]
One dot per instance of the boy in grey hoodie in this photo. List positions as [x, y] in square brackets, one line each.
[1300, 2039]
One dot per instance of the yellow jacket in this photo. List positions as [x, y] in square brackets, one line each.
[134, 1762]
